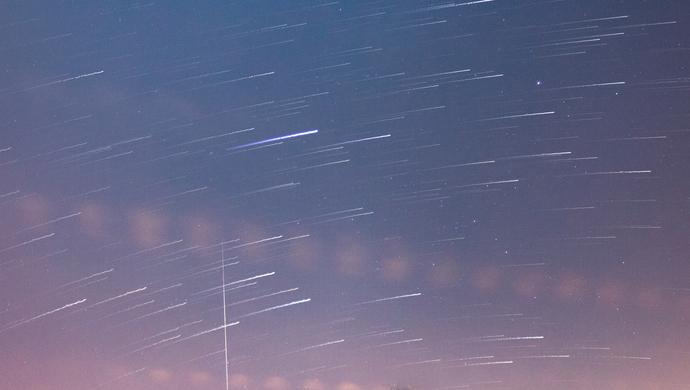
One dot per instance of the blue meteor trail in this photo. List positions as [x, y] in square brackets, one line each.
[272, 139]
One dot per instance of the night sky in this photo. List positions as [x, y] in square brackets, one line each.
[353, 195]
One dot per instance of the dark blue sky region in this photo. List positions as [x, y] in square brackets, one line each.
[277, 195]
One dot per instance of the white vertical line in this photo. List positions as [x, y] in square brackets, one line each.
[225, 317]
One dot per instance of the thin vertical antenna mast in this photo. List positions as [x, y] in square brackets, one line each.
[225, 316]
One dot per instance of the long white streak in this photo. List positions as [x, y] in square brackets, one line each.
[8, 163]
[256, 242]
[482, 364]
[181, 193]
[535, 155]
[82, 279]
[131, 308]
[382, 334]
[566, 43]
[542, 357]
[589, 85]
[377, 78]
[337, 212]
[320, 165]
[198, 358]
[511, 338]
[27, 242]
[345, 217]
[275, 307]
[10, 193]
[628, 357]
[162, 289]
[84, 285]
[277, 187]
[225, 316]
[148, 346]
[109, 157]
[155, 312]
[200, 76]
[49, 222]
[44, 314]
[252, 278]
[633, 138]
[85, 75]
[588, 238]
[357, 140]
[232, 81]
[471, 358]
[310, 370]
[209, 331]
[488, 183]
[460, 165]
[215, 136]
[450, 5]
[437, 241]
[62, 81]
[424, 361]
[424, 109]
[87, 193]
[294, 238]
[263, 296]
[272, 140]
[314, 346]
[441, 74]
[122, 311]
[568, 208]
[397, 342]
[159, 334]
[607, 173]
[149, 250]
[388, 299]
[114, 298]
[203, 271]
[515, 116]
[474, 78]
[593, 20]
[216, 288]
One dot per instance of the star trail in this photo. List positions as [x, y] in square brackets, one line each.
[497, 195]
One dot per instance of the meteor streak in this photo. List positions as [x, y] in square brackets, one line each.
[272, 140]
